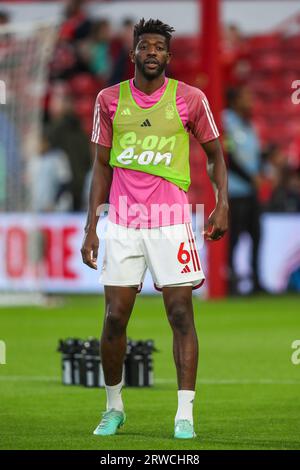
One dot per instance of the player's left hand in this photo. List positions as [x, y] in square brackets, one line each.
[217, 224]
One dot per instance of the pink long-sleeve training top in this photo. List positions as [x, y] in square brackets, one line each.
[134, 194]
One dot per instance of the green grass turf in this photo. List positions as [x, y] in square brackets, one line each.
[248, 390]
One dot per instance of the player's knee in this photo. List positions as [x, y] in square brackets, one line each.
[115, 322]
[179, 318]
[115, 326]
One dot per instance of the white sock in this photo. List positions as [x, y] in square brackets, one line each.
[185, 405]
[114, 397]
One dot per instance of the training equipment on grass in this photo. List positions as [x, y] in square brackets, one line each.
[81, 363]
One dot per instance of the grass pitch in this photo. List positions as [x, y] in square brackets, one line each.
[248, 390]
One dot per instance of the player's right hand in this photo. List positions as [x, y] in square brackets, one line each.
[89, 249]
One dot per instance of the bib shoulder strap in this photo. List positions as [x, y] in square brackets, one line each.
[171, 90]
[124, 89]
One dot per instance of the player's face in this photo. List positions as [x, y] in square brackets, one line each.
[151, 55]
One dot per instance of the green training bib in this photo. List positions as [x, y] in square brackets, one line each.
[151, 140]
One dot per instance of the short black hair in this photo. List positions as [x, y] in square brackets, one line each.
[154, 27]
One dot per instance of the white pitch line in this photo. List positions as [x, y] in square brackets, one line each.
[41, 378]
[27, 378]
[235, 382]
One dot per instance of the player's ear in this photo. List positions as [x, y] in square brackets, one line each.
[132, 55]
[169, 57]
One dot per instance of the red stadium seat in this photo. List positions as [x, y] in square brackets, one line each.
[186, 47]
[275, 64]
[272, 62]
[265, 42]
[86, 84]
[84, 107]
[292, 43]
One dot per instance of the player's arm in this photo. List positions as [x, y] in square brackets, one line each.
[217, 172]
[100, 187]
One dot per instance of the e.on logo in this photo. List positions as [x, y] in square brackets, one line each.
[295, 358]
[2, 92]
[2, 352]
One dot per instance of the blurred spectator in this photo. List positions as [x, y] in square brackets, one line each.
[235, 52]
[67, 134]
[73, 35]
[50, 179]
[294, 152]
[123, 67]
[10, 160]
[275, 164]
[6, 39]
[76, 24]
[100, 59]
[4, 18]
[233, 37]
[274, 168]
[244, 158]
[286, 197]
[64, 63]
[280, 190]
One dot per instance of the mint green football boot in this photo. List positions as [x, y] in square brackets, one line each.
[184, 429]
[111, 421]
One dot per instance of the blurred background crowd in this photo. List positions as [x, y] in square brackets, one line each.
[260, 123]
[257, 72]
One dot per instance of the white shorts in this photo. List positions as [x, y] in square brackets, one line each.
[169, 252]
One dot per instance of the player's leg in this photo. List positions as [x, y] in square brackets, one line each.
[173, 259]
[179, 308]
[175, 266]
[119, 302]
[122, 273]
